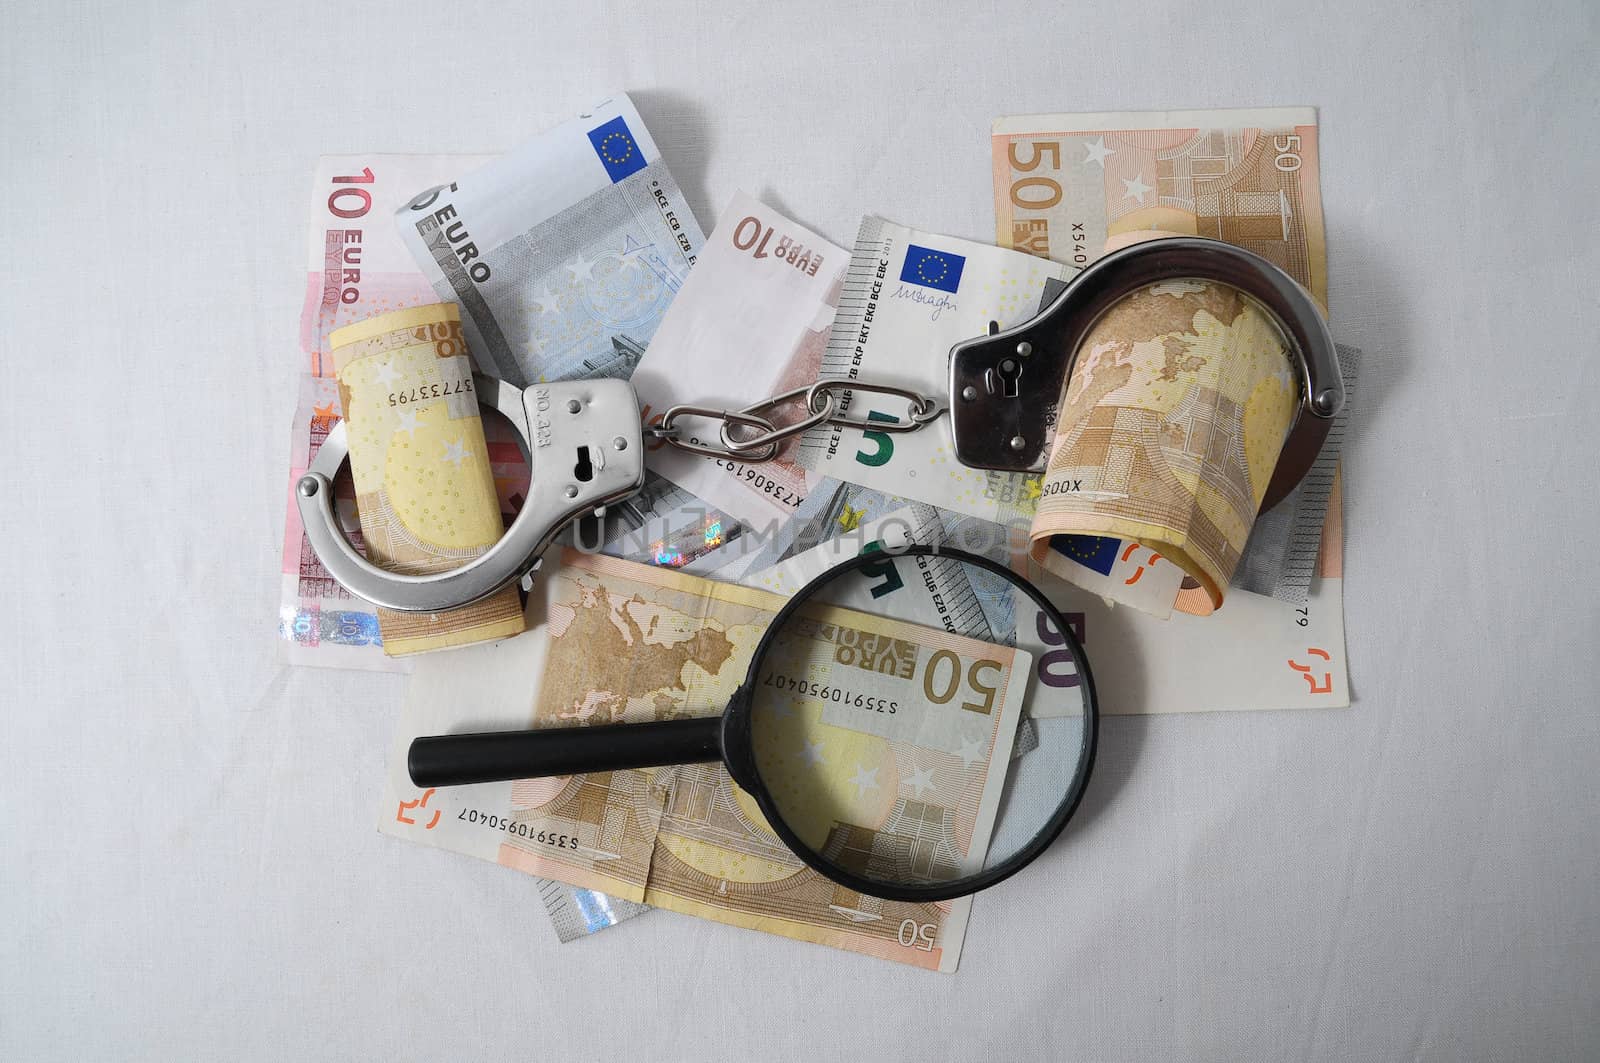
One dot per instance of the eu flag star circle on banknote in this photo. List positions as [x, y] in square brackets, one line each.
[1095, 552]
[932, 269]
[619, 152]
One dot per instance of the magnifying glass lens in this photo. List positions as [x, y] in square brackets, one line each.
[918, 722]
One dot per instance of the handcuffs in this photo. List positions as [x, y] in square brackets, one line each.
[1003, 392]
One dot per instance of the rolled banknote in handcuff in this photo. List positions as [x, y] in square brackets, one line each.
[424, 490]
[1182, 386]
[1169, 429]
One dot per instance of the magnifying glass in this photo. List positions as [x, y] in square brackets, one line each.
[898, 744]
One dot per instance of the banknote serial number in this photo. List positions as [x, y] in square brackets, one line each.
[837, 695]
[507, 825]
[759, 481]
[430, 391]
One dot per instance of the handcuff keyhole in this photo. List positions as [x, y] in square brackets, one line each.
[584, 470]
[1009, 372]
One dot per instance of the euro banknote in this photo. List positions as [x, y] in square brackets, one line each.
[1129, 506]
[944, 592]
[1068, 187]
[908, 297]
[1166, 436]
[356, 266]
[620, 642]
[1261, 653]
[1281, 557]
[564, 254]
[1071, 188]
[752, 321]
[663, 524]
[424, 488]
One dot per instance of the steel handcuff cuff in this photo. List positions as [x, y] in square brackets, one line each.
[1003, 392]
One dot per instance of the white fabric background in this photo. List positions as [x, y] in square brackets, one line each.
[188, 861]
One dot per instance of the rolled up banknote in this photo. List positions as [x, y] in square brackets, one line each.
[1167, 434]
[563, 254]
[424, 488]
[1280, 557]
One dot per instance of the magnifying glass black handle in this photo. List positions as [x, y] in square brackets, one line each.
[495, 756]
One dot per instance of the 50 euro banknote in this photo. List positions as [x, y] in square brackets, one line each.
[1070, 187]
[1261, 653]
[618, 642]
[1171, 423]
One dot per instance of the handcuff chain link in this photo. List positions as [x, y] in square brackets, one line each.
[821, 406]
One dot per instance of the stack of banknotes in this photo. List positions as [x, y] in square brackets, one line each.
[576, 256]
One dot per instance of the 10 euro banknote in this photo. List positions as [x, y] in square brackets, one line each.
[753, 321]
[356, 267]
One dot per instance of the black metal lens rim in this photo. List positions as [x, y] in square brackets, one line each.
[738, 749]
